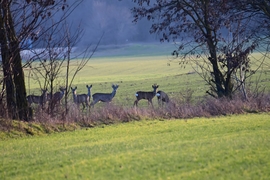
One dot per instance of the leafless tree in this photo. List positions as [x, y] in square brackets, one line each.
[202, 28]
[21, 21]
[54, 67]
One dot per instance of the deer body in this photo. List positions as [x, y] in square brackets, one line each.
[162, 97]
[146, 95]
[41, 100]
[57, 96]
[82, 98]
[104, 97]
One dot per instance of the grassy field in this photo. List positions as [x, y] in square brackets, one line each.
[229, 147]
[136, 67]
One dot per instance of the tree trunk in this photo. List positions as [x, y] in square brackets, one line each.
[19, 82]
[16, 65]
[7, 70]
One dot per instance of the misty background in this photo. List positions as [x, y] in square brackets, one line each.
[114, 19]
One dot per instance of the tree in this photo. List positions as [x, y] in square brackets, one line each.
[21, 21]
[59, 62]
[203, 25]
[260, 11]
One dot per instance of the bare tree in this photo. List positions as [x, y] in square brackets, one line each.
[201, 27]
[54, 66]
[21, 21]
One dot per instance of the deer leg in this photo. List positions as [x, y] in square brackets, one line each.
[93, 103]
[150, 101]
[159, 101]
[135, 103]
[83, 106]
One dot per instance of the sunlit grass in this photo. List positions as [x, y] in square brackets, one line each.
[229, 147]
[138, 67]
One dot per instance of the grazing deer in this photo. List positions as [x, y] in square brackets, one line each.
[40, 100]
[104, 97]
[162, 97]
[146, 95]
[81, 98]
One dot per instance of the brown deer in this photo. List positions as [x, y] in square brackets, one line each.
[162, 98]
[40, 100]
[146, 95]
[104, 97]
[57, 96]
[83, 99]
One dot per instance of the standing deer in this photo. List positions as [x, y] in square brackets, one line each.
[82, 98]
[40, 100]
[55, 99]
[57, 96]
[104, 97]
[146, 95]
[162, 97]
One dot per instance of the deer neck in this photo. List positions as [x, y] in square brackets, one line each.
[113, 94]
[89, 93]
[62, 93]
[74, 97]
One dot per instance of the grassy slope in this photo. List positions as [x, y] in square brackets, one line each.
[137, 67]
[231, 147]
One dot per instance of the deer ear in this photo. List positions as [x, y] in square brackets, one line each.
[91, 85]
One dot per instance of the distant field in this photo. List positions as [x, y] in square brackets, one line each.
[228, 147]
[137, 67]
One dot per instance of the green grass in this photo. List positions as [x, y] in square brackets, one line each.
[132, 74]
[136, 67]
[229, 147]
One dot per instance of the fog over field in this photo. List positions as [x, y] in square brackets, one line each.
[114, 19]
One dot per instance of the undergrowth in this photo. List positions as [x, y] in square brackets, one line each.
[44, 123]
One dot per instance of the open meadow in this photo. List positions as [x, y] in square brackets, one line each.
[228, 147]
[145, 147]
[137, 66]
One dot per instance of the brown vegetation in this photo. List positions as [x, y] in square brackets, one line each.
[111, 113]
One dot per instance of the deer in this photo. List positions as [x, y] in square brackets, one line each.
[57, 96]
[40, 100]
[55, 99]
[81, 98]
[162, 97]
[104, 97]
[146, 95]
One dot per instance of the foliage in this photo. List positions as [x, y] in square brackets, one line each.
[231, 147]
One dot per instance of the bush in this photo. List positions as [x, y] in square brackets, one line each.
[176, 109]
